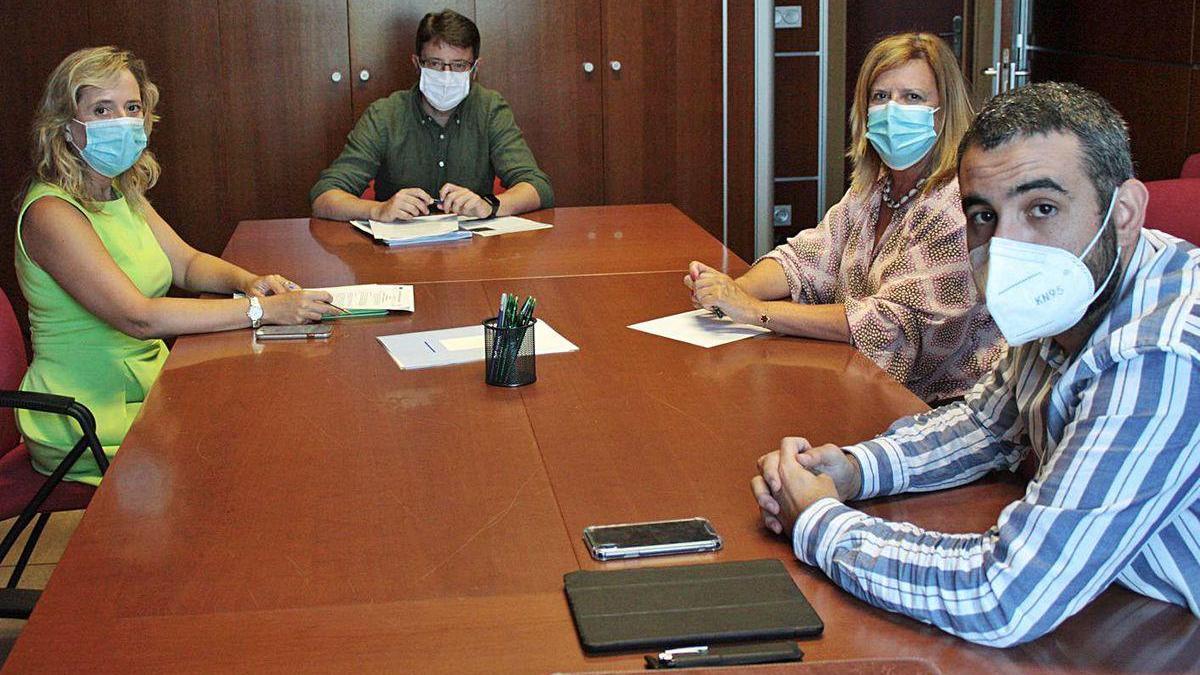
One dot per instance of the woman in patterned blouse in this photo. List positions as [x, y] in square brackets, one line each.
[887, 270]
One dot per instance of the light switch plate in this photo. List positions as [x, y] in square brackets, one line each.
[782, 215]
[788, 16]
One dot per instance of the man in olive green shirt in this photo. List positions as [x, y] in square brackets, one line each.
[439, 144]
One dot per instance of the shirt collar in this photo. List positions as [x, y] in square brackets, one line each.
[455, 115]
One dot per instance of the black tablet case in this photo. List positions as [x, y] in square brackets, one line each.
[687, 605]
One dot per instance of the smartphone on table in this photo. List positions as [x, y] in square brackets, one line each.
[307, 331]
[660, 537]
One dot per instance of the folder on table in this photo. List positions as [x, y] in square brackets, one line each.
[687, 605]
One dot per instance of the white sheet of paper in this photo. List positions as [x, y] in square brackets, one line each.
[462, 343]
[372, 296]
[505, 225]
[424, 227]
[699, 327]
[450, 346]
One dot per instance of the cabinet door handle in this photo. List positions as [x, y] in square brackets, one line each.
[336, 76]
[364, 74]
[615, 65]
[588, 66]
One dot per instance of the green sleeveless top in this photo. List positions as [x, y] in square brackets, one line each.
[75, 353]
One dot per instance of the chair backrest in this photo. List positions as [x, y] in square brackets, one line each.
[1191, 167]
[13, 363]
[1173, 207]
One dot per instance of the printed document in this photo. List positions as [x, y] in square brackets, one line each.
[394, 297]
[700, 327]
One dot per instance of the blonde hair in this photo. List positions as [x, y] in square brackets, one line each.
[956, 109]
[55, 159]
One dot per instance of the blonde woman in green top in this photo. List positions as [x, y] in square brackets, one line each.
[95, 260]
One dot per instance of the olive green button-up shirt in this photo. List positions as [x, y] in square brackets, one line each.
[399, 146]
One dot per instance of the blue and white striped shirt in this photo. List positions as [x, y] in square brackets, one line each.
[1116, 497]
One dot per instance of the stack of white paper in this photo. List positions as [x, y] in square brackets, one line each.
[451, 346]
[700, 327]
[421, 230]
[393, 297]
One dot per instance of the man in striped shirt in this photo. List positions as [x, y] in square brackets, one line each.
[1101, 384]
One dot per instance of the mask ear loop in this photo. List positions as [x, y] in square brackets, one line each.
[1112, 270]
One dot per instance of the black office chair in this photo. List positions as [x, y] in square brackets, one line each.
[25, 493]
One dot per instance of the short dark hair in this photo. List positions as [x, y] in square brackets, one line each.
[1048, 107]
[450, 27]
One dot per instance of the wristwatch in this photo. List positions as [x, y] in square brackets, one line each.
[494, 202]
[254, 312]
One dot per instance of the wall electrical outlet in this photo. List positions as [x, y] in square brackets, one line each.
[782, 215]
[788, 16]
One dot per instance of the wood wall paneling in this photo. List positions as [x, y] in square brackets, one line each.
[662, 109]
[806, 38]
[1154, 31]
[1153, 98]
[537, 65]
[285, 119]
[36, 36]
[802, 196]
[1193, 140]
[797, 113]
[188, 141]
[382, 37]
[741, 128]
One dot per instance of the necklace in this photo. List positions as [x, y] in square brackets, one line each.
[893, 204]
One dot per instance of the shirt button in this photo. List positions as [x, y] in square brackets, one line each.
[441, 135]
[441, 164]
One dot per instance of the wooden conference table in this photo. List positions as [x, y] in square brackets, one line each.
[311, 507]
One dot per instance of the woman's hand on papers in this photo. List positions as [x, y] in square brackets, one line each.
[404, 205]
[460, 200]
[296, 307]
[794, 477]
[268, 284]
[713, 289]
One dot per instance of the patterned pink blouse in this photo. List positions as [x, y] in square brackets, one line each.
[912, 304]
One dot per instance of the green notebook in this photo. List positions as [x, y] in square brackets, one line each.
[688, 605]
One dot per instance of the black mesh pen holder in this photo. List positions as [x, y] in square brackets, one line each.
[508, 354]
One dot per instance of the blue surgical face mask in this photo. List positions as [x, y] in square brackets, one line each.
[901, 134]
[112, 145]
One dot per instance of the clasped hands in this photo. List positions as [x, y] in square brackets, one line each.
[795, 476]
[412, 202]
[713, 289]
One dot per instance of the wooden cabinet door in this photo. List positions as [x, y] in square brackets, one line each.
[382, 38]
[285, 118]
[188, 140]
[662, 105]
[534, 53]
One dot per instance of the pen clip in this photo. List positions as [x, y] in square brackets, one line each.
[672, 653]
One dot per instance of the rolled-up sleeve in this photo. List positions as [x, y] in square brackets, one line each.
[510, 154]
[359, 163]
[812, 259]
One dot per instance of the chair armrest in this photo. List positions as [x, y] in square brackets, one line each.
[59, 405]
[36, 400]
